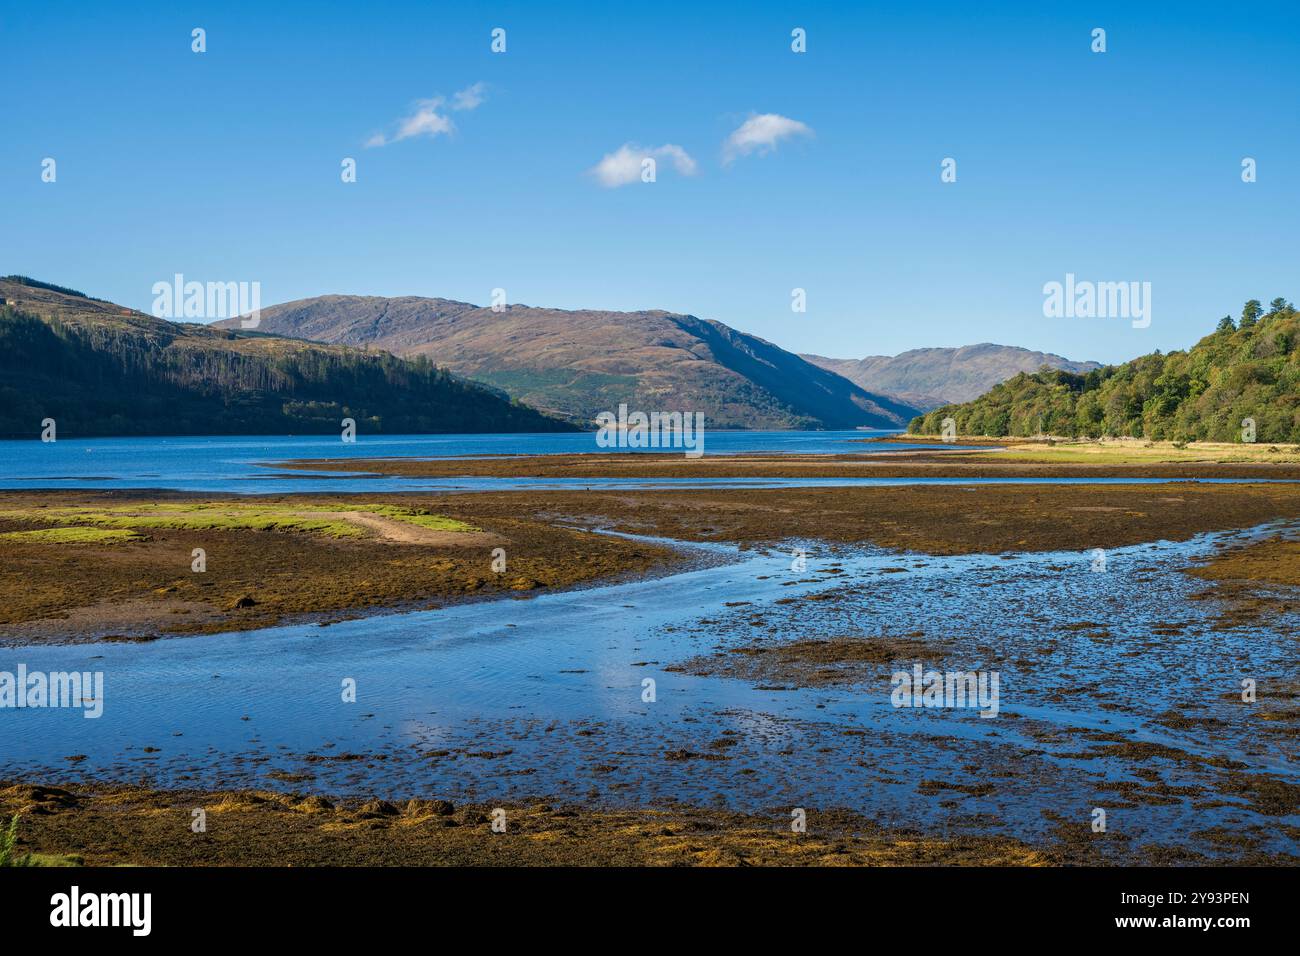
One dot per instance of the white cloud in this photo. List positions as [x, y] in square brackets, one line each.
[429, 118]
[623, 166]
[760, 134]
[469, 98]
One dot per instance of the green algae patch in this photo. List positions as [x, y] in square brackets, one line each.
[328, 520]
[222, 517]
[424, 519]
[72, 536]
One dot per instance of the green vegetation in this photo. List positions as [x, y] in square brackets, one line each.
[1249, 369]
[425, 519]
[8, 840]
[124, 522]
[71, 536]
[1113, 452]
[99, 369]
[215, 517]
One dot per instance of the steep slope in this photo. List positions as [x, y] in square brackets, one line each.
[1204, 394]
[580, 363]
[100, 369]
[928, 378]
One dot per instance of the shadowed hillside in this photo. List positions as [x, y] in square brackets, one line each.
[100, 369]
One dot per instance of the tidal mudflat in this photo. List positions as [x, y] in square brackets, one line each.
[84, 565]
[139, 566]
[770, 639]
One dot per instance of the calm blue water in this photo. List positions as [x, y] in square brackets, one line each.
[232, 463]
[240, 464]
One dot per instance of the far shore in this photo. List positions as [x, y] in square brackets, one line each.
[989, 458]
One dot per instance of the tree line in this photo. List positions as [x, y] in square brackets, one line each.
[124, 378]
[1248, 368]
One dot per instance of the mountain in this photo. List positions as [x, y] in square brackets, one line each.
[1247, 371]
[100, 369]
[929, 378]
[578, 364]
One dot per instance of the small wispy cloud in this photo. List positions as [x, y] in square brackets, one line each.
[429, 117]
[469, 98]
[760, 134]
[623, 166]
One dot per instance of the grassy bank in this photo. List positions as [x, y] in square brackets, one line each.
[1112, 451]
[880, 459]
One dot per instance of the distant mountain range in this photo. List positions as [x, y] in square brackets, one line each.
[929, 378]
[414, 364]
[577, 364]
[101, 369]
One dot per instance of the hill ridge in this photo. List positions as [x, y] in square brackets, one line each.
[576, 363]
[932, 376]
[99, 368]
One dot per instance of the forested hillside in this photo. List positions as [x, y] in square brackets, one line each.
[1246, 368]
[99, 369]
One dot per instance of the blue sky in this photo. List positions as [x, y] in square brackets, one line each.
[224, 166]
